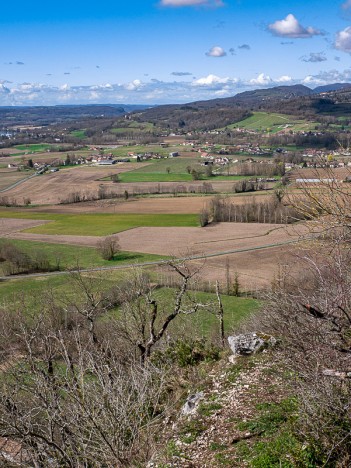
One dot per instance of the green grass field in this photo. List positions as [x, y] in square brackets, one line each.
[205, 323]
[273, 123]
[133, 176]
[29, 292]
[177, 165]
[71, 256]
[102, 224]
[135, 127]
[37, 148]
[78, 134]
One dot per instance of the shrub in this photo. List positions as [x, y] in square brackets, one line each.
[108, 247]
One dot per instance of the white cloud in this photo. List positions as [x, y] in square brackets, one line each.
[153, 91]
[181, 3]
[290, 27]
[134, 85]
[284, 79]
[216, 51]
[210, 80]
[343, 40]
[65, 87]
[312, 80]
[4, 89]
[327, 77]
[261, 80]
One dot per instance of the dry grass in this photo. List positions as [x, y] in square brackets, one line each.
[11, 176]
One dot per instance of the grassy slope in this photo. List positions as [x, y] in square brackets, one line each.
[274, 122]
[101, 224]
[200, 324]
[70, 256]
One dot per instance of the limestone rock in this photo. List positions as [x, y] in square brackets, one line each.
[249, 343]
[192, 403]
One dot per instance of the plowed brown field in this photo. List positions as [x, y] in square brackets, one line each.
[252, 250]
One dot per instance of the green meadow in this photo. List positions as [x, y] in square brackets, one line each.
[272, 122]
[78, 134]
[100, 224]
[72, 256]
[31, 291]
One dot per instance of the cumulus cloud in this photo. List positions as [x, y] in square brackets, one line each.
[175, 73]
[153, 91]
[314, 57]
[210, 80]
[290, 27]
[284, 79]
[343, 40]
[182, 3]
[327, 77]
[216, 51]
[261, 80]
[133, 85]
[244, 47]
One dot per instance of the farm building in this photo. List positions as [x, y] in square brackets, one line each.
[106, 162]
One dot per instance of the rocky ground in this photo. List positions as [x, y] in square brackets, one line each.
[225, 420]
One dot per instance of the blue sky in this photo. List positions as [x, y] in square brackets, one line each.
[165, 51]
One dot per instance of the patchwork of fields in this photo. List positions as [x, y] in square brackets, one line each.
[149, 227]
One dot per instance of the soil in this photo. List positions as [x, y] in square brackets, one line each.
[257, 267]
[166, 205]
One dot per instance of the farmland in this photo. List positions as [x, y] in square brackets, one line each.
[271, 122]
[9, 177]
[252, 250]
[70, 256]
[96, 224]
[149, 223]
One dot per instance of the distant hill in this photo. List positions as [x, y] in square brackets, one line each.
[45, 115]
[296, 100]
[331, 87]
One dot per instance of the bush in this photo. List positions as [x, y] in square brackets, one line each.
[189, 353]
[108, 247]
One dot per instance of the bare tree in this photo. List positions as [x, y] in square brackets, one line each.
[144, 323]
[108, 247]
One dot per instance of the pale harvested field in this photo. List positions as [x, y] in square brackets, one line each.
[53, 187]
[221, 237]
[9, 226]
[11, 176]
[256, 269]
[339, 173]
[158, 205]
